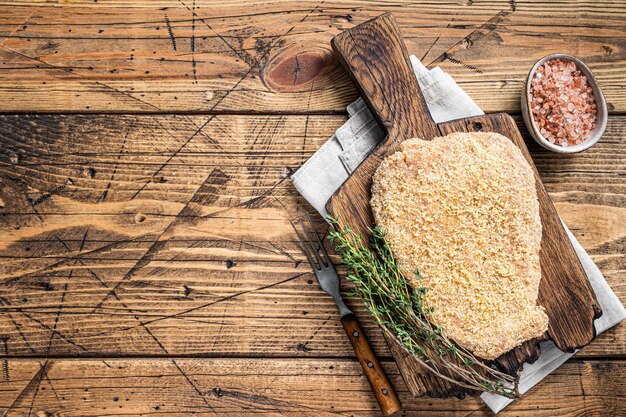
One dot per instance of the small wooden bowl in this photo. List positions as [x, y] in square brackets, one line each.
[601, 114]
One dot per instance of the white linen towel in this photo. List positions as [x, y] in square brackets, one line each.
[330, 166]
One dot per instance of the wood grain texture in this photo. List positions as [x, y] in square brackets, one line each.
[167, 236]
[375, 56]
[281, 387]
[212, 56]
[226, 276]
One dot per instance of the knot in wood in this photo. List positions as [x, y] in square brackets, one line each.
[294, 69]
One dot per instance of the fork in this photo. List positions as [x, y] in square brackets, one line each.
[329, 282]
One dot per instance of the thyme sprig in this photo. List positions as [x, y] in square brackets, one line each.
[399, 310]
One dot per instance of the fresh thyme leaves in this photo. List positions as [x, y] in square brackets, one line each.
[399, 310]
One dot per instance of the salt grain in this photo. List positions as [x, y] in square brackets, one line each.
[562, 103]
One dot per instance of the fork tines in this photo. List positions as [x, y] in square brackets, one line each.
[311, 249]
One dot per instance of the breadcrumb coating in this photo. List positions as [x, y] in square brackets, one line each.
[463, 210]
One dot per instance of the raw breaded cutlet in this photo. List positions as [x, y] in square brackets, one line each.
[463, 210]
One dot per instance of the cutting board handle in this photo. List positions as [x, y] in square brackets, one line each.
[375, 56]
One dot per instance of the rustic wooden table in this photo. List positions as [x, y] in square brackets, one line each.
[148, 265]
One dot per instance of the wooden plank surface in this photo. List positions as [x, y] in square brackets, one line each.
[131, 244]
[135, 235]
[201, 56]
[246, 387]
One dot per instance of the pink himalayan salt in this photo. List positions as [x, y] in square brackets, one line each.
[562, 103]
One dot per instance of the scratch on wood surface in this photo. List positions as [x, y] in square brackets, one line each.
[32, 382]
[17, 327]
[172, 156]
[53, 330]
[52, 388]
[32, 206]
[193, 42]
[113, 91]
[192, 309]
[483, 30]
[303, 347]
[4, 346]
[463, 64]
[196, 389]
[38, 385]
[252, 64]
[233, 275]
[116, 296]
[437, 39]
[282, 251]
[106, 189]
[255, 202]
[24, 189]
[212, 141]
[264, 390]
[208, 192]
[19, 27]
[14, 278]
[45, 196]
[169, 30]
[5, 302]
[260, 399]
[144, 260]
[161, 240]
[65, 287]
[128, 309]
[431, 46]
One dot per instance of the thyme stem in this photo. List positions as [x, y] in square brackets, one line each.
[399, 310]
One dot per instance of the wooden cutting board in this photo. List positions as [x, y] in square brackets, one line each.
[375, 56]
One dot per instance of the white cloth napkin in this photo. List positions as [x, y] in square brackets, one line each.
[330, 166]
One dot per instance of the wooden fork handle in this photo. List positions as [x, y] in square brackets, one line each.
[385, 395]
